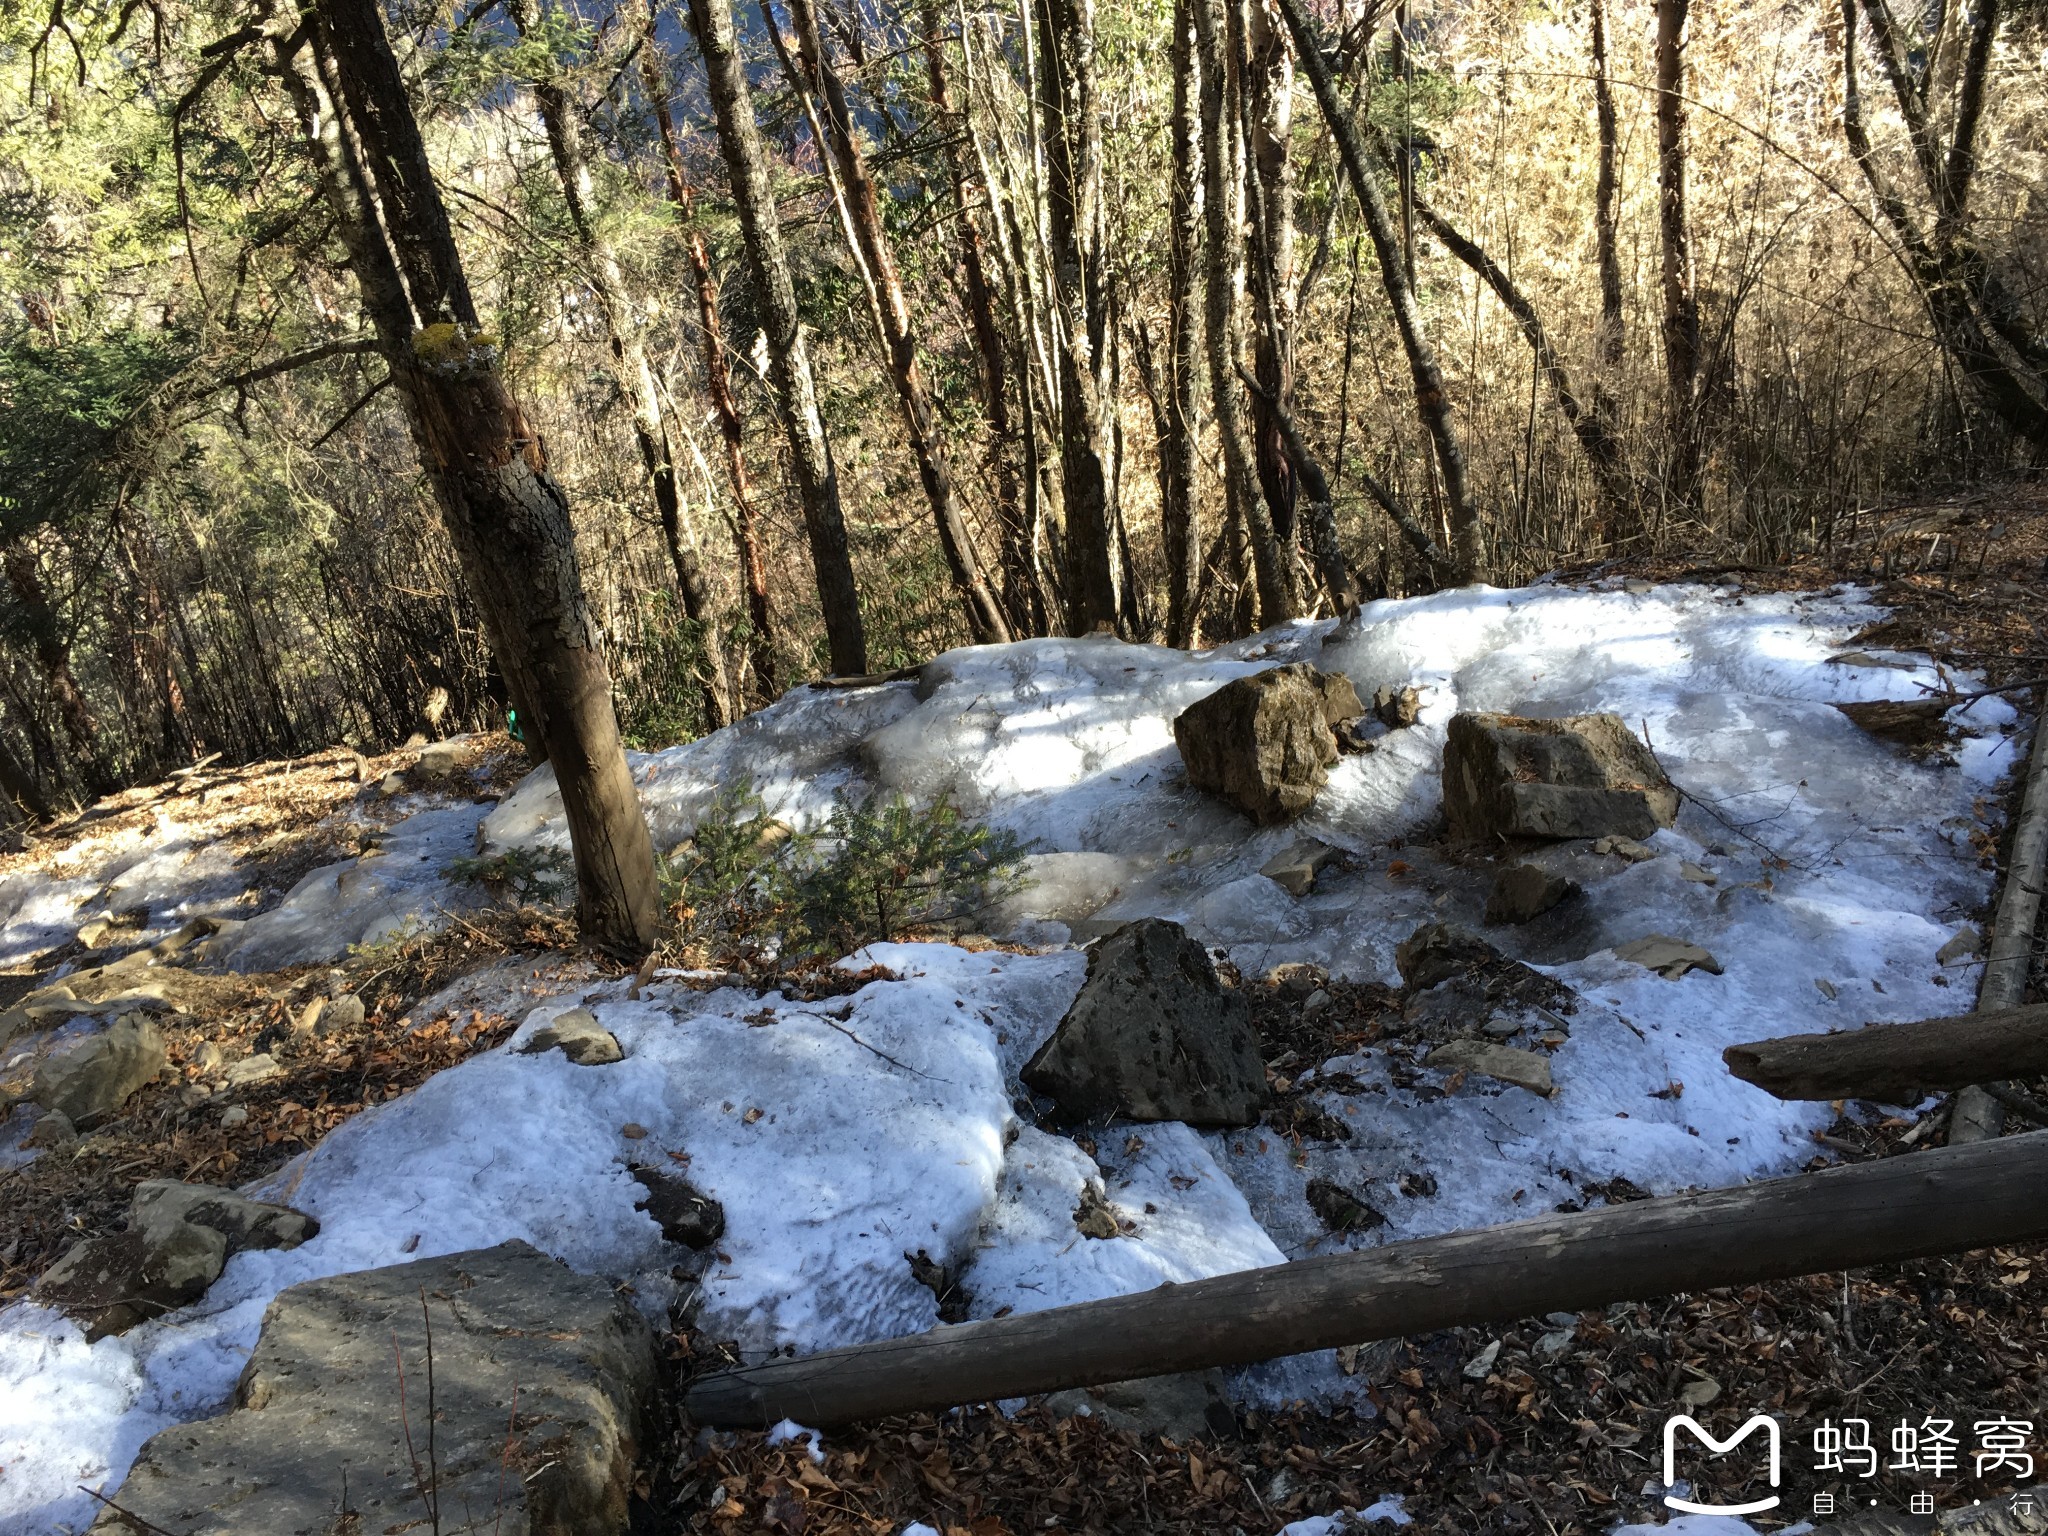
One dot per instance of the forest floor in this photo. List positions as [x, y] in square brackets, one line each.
[1557, 1432]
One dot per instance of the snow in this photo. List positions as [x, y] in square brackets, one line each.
[1388, 1509]
[845, 1134]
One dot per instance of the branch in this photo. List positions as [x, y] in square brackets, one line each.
[300, 359]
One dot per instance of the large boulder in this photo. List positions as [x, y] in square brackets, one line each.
[1265, 742]
[1152, 1035]
[318, 1410]
[94, 1078]
[1581, 776]
[179, 1238]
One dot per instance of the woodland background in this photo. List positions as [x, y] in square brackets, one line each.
[216, 536]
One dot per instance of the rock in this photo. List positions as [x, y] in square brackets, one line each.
[178, 1239]
[392, 784]
[1582, 776]
[1094, 1216]
[439, 760]
[318, 1404]
[234, 1115]
[52, 1132]
[1480, 1366]
[1524, 891]
[1340, 698]
[1152, 1035]
[1181, 1407]
[1297, 978]
[95, 1077]
[111, 1283]
[1698, 874]
[684, 1212]
[1341, 1210]
[1523, 1069]
[1261, 742]
[1626, 847]
[246, 1224]
[1436, 952]
[1396, 708]
[251, 1070]
[1668, 957]
[1295, 870]
[1966, 945]
[207, 1059]
[341, 1013]
[578, 1036]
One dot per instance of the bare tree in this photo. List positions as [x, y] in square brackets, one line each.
[789, 363]
[1180, 434]
[561, 117]
[1681, 294]
[717, 371]
[985, 616]
[1432, 402]
[507, 518]
[1071, 112]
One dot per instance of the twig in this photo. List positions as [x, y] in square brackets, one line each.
[830, 1023]
[433, 1460]
[1953, 698]
[126, 1514]
[505, 1460]
[2024, 1104]
[1712, 810]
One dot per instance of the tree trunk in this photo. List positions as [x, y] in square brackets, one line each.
[899, 341]
[1072, 114]
[508, 520]
[1947, 1200]
[1018, 584]
[1223, 184]
[1606, 211]
[1681, 298]
[789, 363]
[1180, 439]
[1269, 124]
[53, 655]
[1432, 402]
[561, 118]
[717, 378]
[20, 787]
[1898, 1062]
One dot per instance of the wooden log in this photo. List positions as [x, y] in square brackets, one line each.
[1898, 1062]
[1940, 1201]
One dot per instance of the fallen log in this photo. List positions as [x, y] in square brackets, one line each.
[1898, 1062]
[1940, 1201]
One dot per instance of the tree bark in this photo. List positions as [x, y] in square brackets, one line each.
[1942, 1201]
[53, 655]
[717, 377]
[985, 616]
[1019, 595]
[20, 787]
[1681, 297]
[1607, 210]
[562, 120]
[1269, 126]
[789, 363]
[1898, 1062]
[1068, 103]
[1180, 437]
[1432, 401]
[507, 518]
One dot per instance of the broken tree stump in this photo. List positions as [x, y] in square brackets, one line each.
[1939, 1201]
[1897, 1062]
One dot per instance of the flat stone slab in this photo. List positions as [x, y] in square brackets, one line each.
[318, 1410]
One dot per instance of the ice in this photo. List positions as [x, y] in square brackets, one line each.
[1388, 1509]
[888, 1119]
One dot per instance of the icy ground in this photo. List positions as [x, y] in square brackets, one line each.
[841, 1136]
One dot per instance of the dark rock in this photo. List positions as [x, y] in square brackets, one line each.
[1524, 891]
[317, 1408]
[1261, 742]
[1181, 1407]
[1396, 708]
[52, 1132]
[1436, 952]
[1419, 1186]
[178, 1239]
[341, 1013]
[578, 1036]
[1340, 1210]
[95, 1077]
[1152, 1035]
[1582, 776]
[1340, 698]
[684, 1212]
